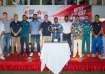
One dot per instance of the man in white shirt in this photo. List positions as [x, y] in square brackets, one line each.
[67, 26]
[1, 37]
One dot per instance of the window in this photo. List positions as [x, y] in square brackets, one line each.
[35, 2]
[103, 2]
[99, 2]
[1, 2]
[59, 2]
[46, 2]
[70, 1]
[55, 2]
[9, 2]
[23, 2]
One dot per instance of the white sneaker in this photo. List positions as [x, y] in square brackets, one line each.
[80, 59]
[2, 58]
[29, 59]
[39, 53]
[74, 56]
[103, 58]
[31, 54]
[88, 55]
[93, 55]
[100, 57]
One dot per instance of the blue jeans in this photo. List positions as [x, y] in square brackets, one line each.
[97, 44]
[6, 42]
[35, 40]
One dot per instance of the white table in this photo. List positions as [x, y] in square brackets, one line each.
[54, 56]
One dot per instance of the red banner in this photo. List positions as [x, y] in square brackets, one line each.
[74, 9]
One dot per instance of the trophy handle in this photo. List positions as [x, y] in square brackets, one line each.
[51, 36]
[61, 37]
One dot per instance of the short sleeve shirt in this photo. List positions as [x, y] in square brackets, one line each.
[96, 26]
[15, 27]
[45, 26]
[76, 29]
[25, 28]
[86, 27]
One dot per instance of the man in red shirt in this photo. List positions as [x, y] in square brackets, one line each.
[103, 32]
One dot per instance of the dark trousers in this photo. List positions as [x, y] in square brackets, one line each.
[67, 37]
[24, 41]
[86, 39]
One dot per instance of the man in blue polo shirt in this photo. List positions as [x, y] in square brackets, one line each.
[35, 36]
[24, 35]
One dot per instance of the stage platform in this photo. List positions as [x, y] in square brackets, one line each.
[23, 63]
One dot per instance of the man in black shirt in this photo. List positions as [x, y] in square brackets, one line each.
[15, 32]
[96, 36]
[44, 29]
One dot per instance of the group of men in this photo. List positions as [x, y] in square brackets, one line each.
[83, 36]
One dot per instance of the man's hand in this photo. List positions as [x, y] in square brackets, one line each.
[80, 34]
[15, 34]
[96, 36]
[104, 34]
[1, 33]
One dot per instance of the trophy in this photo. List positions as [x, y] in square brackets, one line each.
[55, 31]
